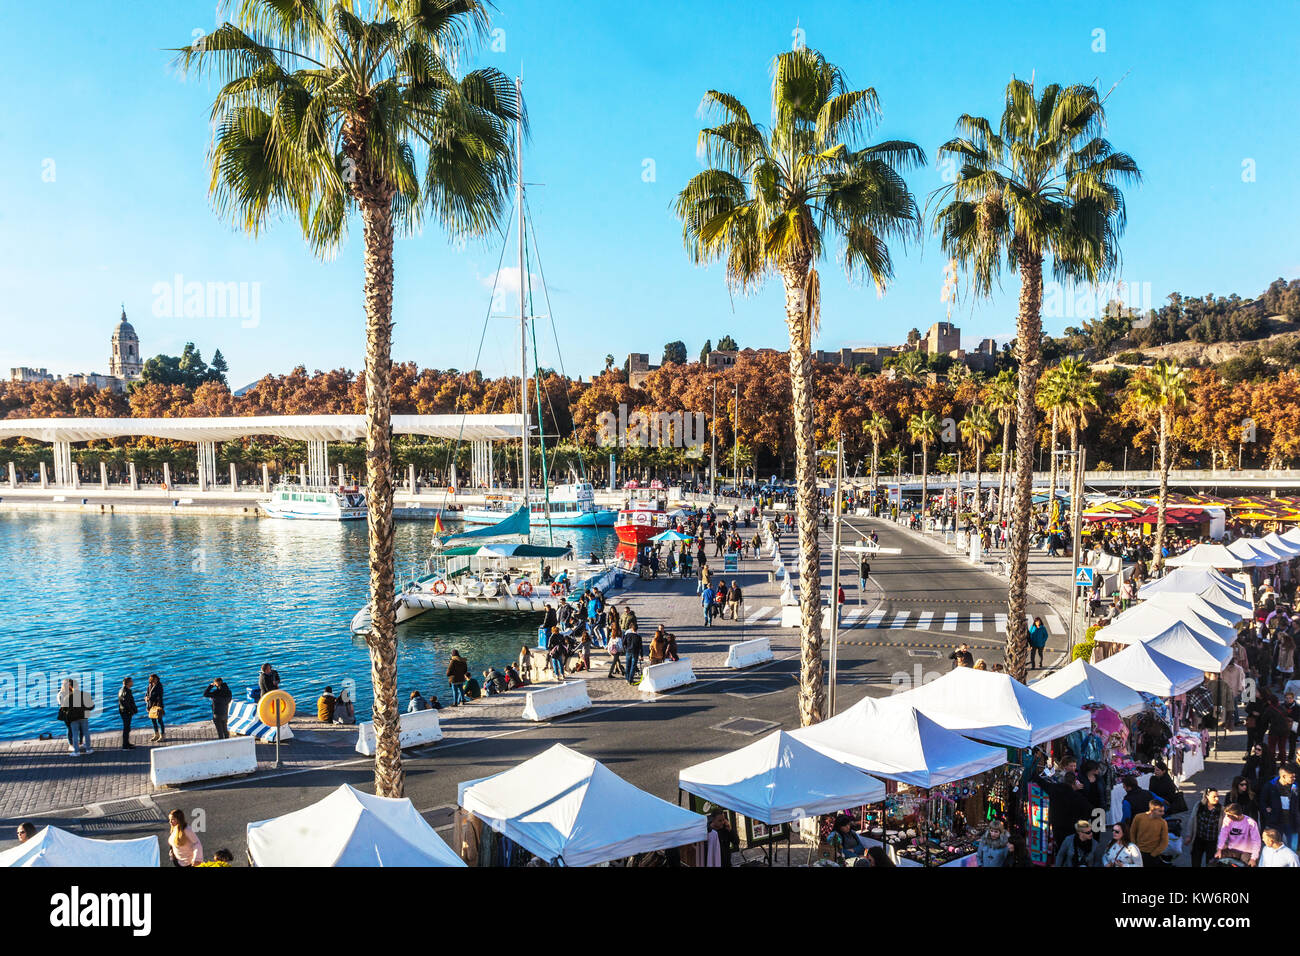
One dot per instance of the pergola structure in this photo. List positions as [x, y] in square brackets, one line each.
[316, 430]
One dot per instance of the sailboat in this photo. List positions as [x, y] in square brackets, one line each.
[466, 573]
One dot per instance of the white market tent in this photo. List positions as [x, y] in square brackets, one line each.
[1081, 684]
[1253, 552]
[1218, 589]
[1146, 620]
[1207, 556]
[994, 708]
[1291, 537]
[1180, 643]
[780, 779]
[572, 810]
[1147, 670]
[55, 847]
[1196, 604]
[350, 828]
[889, 739]
[1284, 549]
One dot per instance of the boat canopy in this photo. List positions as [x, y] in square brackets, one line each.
[505, 551]
[517, 523]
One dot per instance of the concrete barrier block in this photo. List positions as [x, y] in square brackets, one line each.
[749, 653]
[790, 615]
[545, 703]
[185, 763]
[414, 730]
[665, 676]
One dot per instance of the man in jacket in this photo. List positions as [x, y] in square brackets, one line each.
[1136, 800]
[706, 602]
[1151, 833]
[1079, 849]
[269, 679]
[126, 709]
[219, 694]
[1279, 805]
[632, 650]
[457, 671]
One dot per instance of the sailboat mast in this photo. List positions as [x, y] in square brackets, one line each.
[523, 318]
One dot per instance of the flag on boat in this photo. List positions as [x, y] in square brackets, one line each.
[437, 523]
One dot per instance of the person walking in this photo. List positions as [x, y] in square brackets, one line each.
[153, 703]
[1122, 852]
[1279, 805]
[1079, 849]
[1207, 821]
[615, 650]
[183, 846]
[126, 709]
[74, 705]
[632, 653]
[1037, 641]
[457, 671]
[706, 602]
[1151, 833]
[1238, 837]
[556, 651]
[736, 601]
[219, 695]
[864, 575]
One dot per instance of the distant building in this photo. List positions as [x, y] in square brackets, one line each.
[638, 368]
[95, 380]
[941, 339]
[25, 374]
[124, 360]
[871, 356]
[719, 358]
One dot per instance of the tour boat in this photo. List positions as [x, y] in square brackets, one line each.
[570, 506]
[315, 503]
[645, 516]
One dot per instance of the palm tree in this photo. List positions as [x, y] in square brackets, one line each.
[877, 427]
[1043, 184]
[1049, 400]
[323, 114]
[768, 204]
[910, 367]
[1077, 395]
[1001, 398]
[977, 428]
[1161, 391]
[924, 429]
[896, 457]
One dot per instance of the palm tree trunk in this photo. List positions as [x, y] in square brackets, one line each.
[925, 487]
[1029, 332]
[978, 465]
[1076, 479]
[812, 690]
[1002, 479]
[1158, 558]
[377, 220]
[875, 460]
[957, 476]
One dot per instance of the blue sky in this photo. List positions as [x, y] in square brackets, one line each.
[103, 183]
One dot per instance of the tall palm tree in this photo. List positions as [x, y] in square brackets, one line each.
[977, 428]
[322, 114]
[769, 203]
[1043, 184]
[1001, 398]
[877, 427]
[1078, 392]
[1049, 400]
[924, 429]
[910, 367]
[1162, 390]
[896, 456]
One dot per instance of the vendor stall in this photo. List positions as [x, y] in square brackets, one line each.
[349, 828]
[1144, 620]
[1081, 684]
[55, 847]
[1207, 556]
[564, 809]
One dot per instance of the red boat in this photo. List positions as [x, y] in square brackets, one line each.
[642, 519]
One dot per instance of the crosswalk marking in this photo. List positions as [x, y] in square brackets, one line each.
[901, 619]
[1054, 624]
[851, 618]
[976, 621]
[923, 621]
[950, 621]
[758, 615]
[875, 619]
[1000, 623]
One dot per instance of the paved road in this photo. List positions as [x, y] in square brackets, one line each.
[649, 742]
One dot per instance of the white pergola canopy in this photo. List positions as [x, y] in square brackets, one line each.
[297, 427]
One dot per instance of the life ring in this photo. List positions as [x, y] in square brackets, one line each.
[525, 588]
[440, 586]
[451, 489]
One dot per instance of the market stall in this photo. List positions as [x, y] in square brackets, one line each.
[55, 847]
[349, 828]
[1198, 606]
[1142, 621]
[1082, 684]
[776, 781]
[564, 809]
[1207, 556]
[1216, 589]
[941, 787]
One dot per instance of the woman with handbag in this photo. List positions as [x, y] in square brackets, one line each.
[153, 702]
[74, 704]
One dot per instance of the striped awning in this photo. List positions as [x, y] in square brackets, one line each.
[297, 427]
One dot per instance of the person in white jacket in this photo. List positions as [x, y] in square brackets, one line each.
[1277, 853]
[1122, 852]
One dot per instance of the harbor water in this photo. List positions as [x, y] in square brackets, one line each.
[193, 598]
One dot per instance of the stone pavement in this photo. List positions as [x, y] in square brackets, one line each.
[41, 777]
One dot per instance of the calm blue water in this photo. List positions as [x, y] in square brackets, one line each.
[192, 598]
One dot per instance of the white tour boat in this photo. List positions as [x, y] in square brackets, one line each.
[315, 503]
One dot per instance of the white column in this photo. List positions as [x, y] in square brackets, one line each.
[234, 477]
[45, 478]
[135, 478]
[318, 463]
[207, 465]
[302, 474]
[410, 478]
[342, 481]
[13, 476]
[167, 475]
[266, 478]
[103, 476]
[62, 463]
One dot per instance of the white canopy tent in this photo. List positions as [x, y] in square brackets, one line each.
[1253, 552]
[780, 779]
[55, 847]
[1284, 549]
[1146, 669]
[1146, 620]
[1179, 642]
[1218, 589]
[575, 811]
[994, 707]
[1207, 556]
[1081, 684]
[889, 739]
[1196, 604]
[349, 828]
[1291, 537]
